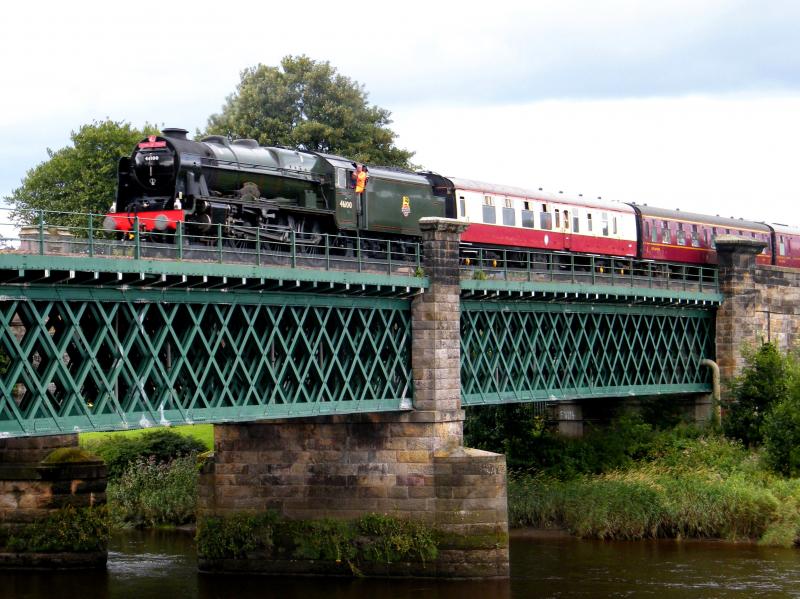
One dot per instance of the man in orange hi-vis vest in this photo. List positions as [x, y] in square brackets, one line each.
[360, 177]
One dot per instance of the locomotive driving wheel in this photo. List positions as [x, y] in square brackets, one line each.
[308, 237]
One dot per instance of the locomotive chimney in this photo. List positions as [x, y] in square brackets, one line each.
[175, 133]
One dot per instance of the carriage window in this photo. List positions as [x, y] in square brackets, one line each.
[566, 220]
[681, 235]
[615, 225]
[705, 237]
[489, 213]
[589, 222]
[575, 221]
[654, 232]
[604, 219]
[647, 230]
[781, 246]
[727, 231]
[341, 178]
[713, 237]
[527, 218]
[695, 237]
[765, 239]
[508, 215]
[666, 236]
[558, 218]
[545, 219]
[462, 204]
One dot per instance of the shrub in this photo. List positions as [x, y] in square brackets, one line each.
[149, 493]
[163, 445]
[372, 538]
[764, 381]
[69, 529]
[781, 429]
[235, 536]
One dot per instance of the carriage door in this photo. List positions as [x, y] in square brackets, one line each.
[566, 231]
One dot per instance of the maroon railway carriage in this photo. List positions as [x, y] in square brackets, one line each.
[786, 246]
[688, 237]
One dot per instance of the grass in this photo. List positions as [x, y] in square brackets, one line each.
[701, 488]
[202, 432]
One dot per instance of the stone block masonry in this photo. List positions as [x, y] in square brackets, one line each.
[33, 488]
[762, 303]
[410, 465]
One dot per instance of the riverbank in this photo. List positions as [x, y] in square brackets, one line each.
[704, 488]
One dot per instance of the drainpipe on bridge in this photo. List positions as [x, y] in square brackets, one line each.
[715, 393]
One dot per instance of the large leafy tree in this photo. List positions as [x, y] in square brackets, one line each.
[307, 104]
[79, 178]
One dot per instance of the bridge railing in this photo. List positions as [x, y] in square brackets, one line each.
[46, 233]
[564, 268]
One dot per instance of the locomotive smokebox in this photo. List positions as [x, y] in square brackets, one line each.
[175, 133]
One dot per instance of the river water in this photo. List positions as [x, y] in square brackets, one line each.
[163, 565]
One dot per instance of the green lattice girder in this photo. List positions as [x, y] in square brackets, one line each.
[109, 359]
[531, 351]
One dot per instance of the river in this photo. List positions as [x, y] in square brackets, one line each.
[149, 565]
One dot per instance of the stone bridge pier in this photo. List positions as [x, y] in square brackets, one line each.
[412, 464]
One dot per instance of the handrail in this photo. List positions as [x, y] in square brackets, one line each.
[46, 232]
[559, 267]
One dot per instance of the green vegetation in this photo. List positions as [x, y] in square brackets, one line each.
[768, 379]
[373, 538]
[119, 450]
[150, 494]
[70, 529]
[64, 455]
[709, 487]
[153, 474]
[307, 104]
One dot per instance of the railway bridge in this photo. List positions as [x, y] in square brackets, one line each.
[337, 379]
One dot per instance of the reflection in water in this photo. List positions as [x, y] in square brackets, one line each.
[163, 565]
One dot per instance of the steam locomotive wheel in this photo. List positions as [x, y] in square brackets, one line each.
[307, 235]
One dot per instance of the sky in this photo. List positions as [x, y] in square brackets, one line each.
[678, 104]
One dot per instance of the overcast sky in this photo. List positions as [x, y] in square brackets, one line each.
[687, 104]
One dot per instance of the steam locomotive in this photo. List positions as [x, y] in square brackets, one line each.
[250, 191]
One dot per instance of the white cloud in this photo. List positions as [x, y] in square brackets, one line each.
[732, 155]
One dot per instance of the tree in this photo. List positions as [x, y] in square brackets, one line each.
[80, 178]
[308, 105]
[765, 381]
